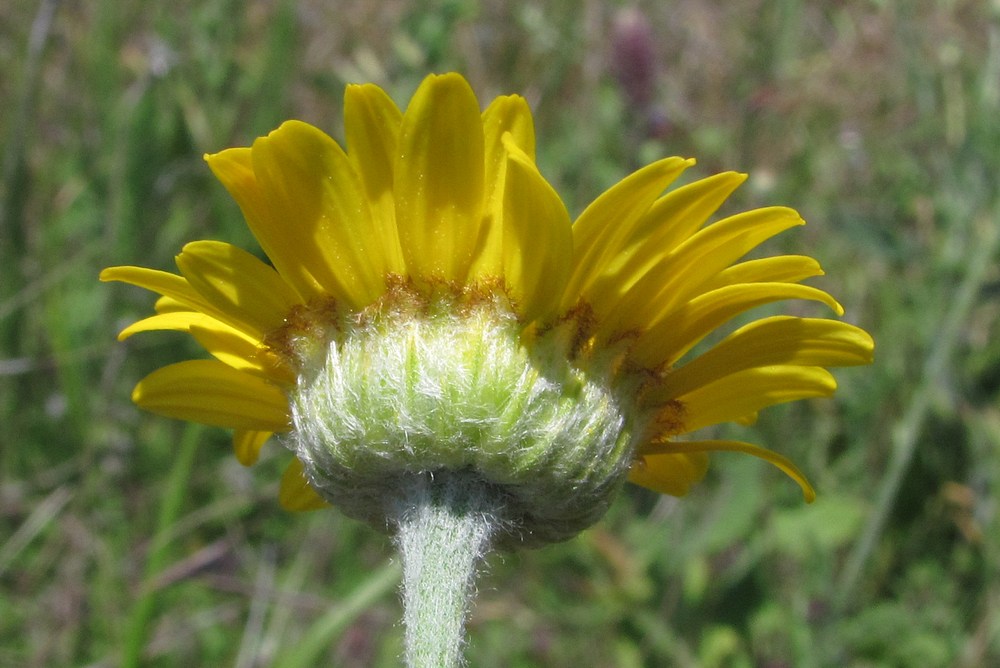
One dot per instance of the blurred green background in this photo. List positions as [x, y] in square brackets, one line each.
[129, 539]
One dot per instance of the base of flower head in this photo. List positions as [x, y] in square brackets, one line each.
[437, 386]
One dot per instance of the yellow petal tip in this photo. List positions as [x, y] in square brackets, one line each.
[108, 274]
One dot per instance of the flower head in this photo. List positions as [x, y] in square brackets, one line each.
[429, 306]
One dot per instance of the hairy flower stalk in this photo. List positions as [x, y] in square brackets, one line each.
[450, 359]
[444, 525]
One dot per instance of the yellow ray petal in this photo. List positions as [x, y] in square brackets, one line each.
[371, 128]
[506, 116]
[179, 299]
[669, 221]
[507, 113]
[677, 215]
[252, 295]
[286, 244]
[780, 340]
[161, 282]
[674, 448]
[600, 231]
[247, 445]
[213, 393]
[688, 324]
[227, 344]
[439, 180]
[170, 305]
[778, 269]
[672, 474]
[537, 238]
[235, 349]
[681, 274]
[295, 493]
[317, 200]
[179, 321]
[739, 394]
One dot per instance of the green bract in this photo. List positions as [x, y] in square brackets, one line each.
[450, 388]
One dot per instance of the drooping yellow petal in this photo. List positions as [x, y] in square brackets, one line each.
[681, 274]
[776, 341]
[674, 448]
[371, 128]
[537, 238]
[439, 177]
[601, 229]
[247, 445]
[295, 493]
[317, 199]
[672, 474]
[252, 295]
[685, 326]
[739, 394]
[212, 393]
[506, 116]
[289, 247]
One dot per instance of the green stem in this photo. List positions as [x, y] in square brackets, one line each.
[444, 525]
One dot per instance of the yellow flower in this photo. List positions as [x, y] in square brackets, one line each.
[433, 250]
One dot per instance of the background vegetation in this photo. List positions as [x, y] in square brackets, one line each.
[129, 539]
